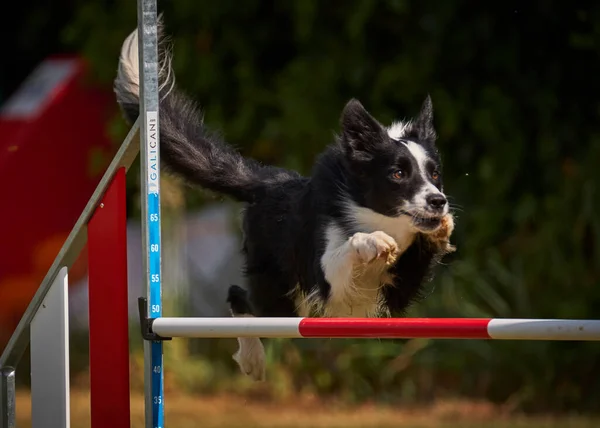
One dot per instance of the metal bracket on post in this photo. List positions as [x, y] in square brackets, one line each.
[7, 398]
[146, 323]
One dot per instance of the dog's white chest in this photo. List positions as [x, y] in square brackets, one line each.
[354, 269]
[360, 298]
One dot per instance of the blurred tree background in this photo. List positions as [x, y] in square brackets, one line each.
[515, 89]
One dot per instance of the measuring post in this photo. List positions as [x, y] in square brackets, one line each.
[150, 180]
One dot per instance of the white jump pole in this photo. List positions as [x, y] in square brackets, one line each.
[383, 328]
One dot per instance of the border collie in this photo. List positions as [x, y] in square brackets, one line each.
[358, 238]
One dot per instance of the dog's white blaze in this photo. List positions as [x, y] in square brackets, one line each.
[421, 157]
[397, 131]
[428, 188]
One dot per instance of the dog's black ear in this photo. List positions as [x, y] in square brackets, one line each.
[423, 127]
[360, 131]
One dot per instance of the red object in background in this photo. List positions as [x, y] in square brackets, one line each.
[54, 149]
[109, 334]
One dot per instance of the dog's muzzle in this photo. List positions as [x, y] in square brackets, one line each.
[436, 203]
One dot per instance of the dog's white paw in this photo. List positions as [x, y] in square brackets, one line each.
[251, 357]
[371, 246]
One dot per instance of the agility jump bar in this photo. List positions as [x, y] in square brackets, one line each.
[164, 328]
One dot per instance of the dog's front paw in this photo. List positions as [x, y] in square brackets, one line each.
[441, 236]
[374, 246]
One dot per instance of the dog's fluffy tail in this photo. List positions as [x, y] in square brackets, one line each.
[187, 147]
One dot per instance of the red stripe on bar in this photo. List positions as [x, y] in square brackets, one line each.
[389, 328]
[109, 342]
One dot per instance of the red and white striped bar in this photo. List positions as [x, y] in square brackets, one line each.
[383, 328]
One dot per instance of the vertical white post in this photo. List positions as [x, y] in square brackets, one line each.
[50, 406]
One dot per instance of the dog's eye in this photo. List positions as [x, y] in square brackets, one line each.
[398, 174]
[435, 175]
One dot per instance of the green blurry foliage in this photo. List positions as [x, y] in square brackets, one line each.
[515, 88]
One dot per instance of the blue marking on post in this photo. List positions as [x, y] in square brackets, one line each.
[154, 262]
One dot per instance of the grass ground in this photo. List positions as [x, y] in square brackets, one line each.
[186, 411]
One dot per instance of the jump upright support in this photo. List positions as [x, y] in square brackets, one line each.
[150, 180]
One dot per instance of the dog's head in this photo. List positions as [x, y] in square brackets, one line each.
[395, 171]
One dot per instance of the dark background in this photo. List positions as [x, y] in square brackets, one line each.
[515, 90]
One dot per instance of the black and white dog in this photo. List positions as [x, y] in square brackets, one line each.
[358, 238]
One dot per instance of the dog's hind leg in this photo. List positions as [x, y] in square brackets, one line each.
[250, 355]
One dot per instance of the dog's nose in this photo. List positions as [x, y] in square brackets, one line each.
[436, 201]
